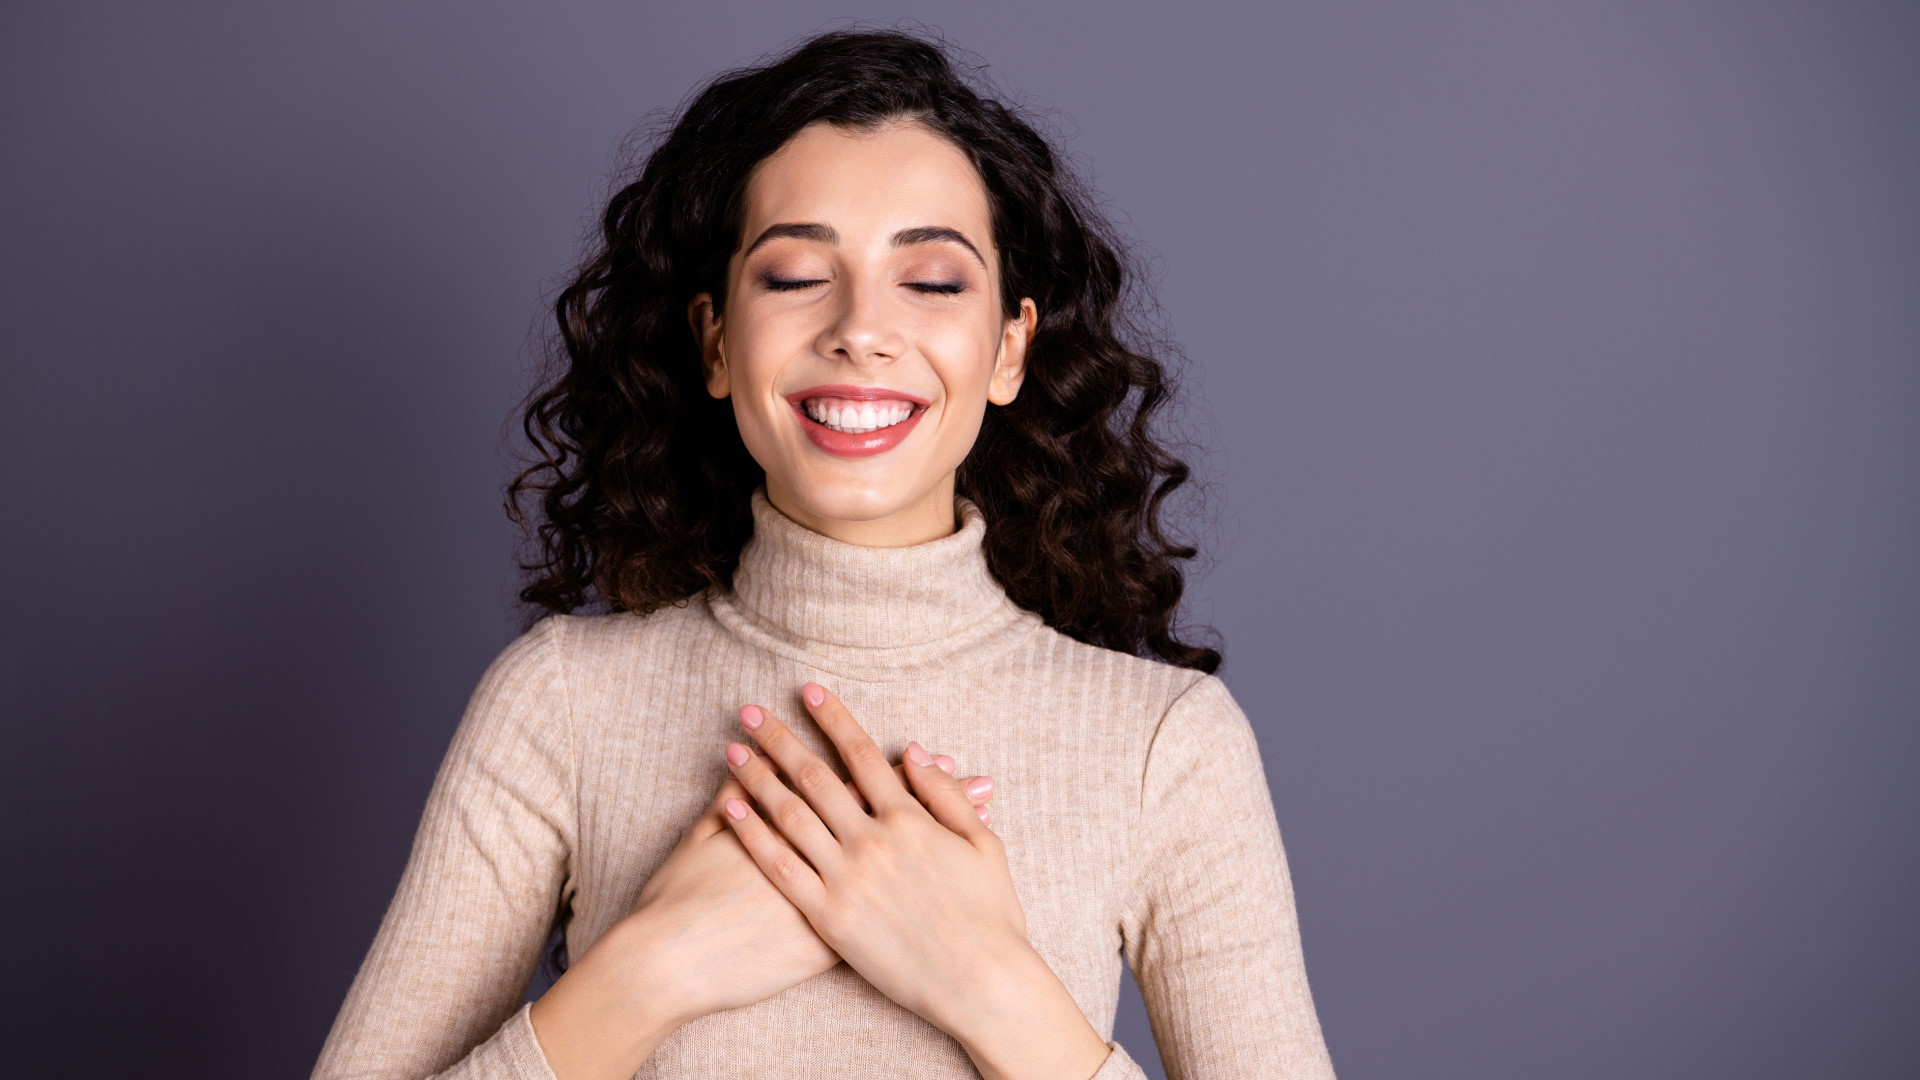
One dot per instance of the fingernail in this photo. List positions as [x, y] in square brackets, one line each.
[736, 753]
[736, 810]
[979, 786]
[813, 694]
[945, 763]
[982, 811]
[751, 717]
[917, 754]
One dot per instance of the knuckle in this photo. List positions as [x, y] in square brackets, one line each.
[792, 815]
[864, 843]
[862, 755]
[813, 775]
[787, 865]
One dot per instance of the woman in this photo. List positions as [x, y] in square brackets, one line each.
[852, 442]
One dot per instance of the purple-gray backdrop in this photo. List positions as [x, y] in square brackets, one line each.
[1560, 364]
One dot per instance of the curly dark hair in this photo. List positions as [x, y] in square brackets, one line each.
[644, 482]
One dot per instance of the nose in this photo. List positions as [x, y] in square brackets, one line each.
[863, 331]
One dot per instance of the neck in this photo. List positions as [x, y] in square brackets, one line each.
[868, 611]
[929, 517]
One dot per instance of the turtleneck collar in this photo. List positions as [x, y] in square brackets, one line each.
[858, 609]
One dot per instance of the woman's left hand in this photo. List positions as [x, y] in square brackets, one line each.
[917, 899]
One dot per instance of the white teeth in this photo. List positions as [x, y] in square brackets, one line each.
[858, 419]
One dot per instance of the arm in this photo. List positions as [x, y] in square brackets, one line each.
[1213, 936]
[439, 992]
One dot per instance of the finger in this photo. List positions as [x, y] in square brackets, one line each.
[853, 789]
[901, 772]
[864, 759]
[781, 864]
[824, 792]
[715, 819]
[979, 791]
[946, 800]
[787, 812]
[729, 789]
[978, 788]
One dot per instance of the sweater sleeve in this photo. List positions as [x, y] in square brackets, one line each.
[1212, 935]
[440, 991]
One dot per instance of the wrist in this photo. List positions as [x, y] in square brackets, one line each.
[603, 1018]
[1022, 1022]
[628, 957]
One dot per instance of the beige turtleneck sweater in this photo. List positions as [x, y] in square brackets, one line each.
[1129, 793]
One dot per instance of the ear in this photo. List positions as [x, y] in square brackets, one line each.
[707, 333]
[1010, 366]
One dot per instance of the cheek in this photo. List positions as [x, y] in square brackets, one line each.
[964, 358]
[756, 334]
[756, 350]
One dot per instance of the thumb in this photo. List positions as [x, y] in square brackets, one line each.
[943, 795]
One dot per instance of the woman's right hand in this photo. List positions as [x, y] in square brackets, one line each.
[710, 924]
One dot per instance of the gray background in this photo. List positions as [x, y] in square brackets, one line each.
[1559, 366]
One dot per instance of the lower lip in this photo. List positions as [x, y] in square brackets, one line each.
[864, 444]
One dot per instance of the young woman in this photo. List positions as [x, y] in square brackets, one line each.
[852, 441]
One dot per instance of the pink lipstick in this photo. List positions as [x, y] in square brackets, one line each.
[856, 444]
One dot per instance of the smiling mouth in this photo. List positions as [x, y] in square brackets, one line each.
[858, 417]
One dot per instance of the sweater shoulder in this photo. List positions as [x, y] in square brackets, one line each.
[614, 641]
[1147, 685]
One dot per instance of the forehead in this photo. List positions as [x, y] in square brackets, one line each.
[866, 184]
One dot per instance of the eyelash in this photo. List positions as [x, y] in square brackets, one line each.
[784, 285]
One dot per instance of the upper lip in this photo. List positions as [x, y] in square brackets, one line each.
[854, 393]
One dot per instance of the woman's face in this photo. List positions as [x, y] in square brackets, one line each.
[862, 339]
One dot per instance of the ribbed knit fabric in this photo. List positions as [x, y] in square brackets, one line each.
[1129, 793]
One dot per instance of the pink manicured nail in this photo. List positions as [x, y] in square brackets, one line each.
[737, 753]
[945, 763]
[982, 811]
[813, 694]
[918, 754]
[751, 717]
[736, 810]
[979, 786]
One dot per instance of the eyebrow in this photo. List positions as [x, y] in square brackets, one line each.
[808, 230]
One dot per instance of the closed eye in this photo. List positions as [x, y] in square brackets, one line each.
[946, 288]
